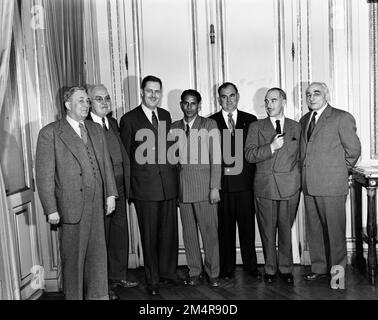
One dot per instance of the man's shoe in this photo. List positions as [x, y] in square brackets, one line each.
[193, 281]
[255, 273]
[153, 290]
[226, 275]
[112, 295]
[214, 282]
[287, 277]
[269, 278]
[315, 276]
[123, 283]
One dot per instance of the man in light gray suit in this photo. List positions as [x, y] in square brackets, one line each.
[75, 183]
[199, 180]
[273, 144]
[329, 149]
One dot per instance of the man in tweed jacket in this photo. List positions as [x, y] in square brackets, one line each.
[200, 179]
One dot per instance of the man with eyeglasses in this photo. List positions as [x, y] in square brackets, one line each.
[75, 183]
[116, 225]
[153, 184]
[329, 149]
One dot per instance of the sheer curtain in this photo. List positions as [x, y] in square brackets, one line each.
[9, 288]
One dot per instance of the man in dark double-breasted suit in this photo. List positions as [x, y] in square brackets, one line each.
[153, 184]
[273, 144]
[330, 148]
[236, 204]
[75, 183]
[116, 224]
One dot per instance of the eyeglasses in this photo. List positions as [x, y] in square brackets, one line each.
[100, 99]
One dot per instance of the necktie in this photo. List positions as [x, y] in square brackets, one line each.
[278, 127]
[311, 126]
[187, 131]
[104, 124]
[154, 120]
[83, 132]
[231, 123]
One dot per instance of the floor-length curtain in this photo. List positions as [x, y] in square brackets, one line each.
[9, 287]
[61, 56]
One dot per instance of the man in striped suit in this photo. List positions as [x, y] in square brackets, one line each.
[200, 179]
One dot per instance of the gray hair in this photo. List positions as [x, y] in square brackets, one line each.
[70, 92]
[324, 87]
[93, 88]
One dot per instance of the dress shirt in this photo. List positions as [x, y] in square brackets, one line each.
[319, 113]
[98, 120]
[74, 124]
[234, 117]
[282, 122]
[148, 112]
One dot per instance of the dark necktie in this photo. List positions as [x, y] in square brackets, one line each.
[231, 123]
[278, 127]
[311, 126]
[104, 124]
[83, 132]
[187, 131]
[154, 120]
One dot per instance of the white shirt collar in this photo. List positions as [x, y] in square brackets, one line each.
[98, 120]
[74, 124]
[148, 112]
[282, 121]
[234, 116]
[318, 113]
[189, 123]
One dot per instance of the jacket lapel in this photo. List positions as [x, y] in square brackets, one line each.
[144, 121]
[268, 130]
[94, 136]
[70, 138]
[321, 121]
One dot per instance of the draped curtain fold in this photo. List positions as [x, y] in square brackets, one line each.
[62, 61]
[9, 288]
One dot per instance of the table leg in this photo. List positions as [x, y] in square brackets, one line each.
[356, 208]
[372, 233]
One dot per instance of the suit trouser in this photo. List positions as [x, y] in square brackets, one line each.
[205, 215]
[236, 207]
[326, 230]
[117, 233]
[83, 251]
[273, 215]
[158, 229]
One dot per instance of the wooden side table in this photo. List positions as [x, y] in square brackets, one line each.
[366, 177]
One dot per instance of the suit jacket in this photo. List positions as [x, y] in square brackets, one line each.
[113, 125]
[332, 151]
[154, 181]
[196, 179]
[277, 175]
[59, 165]
[244, 180]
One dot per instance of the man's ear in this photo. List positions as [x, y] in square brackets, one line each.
[199, 107]
[67, 104]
